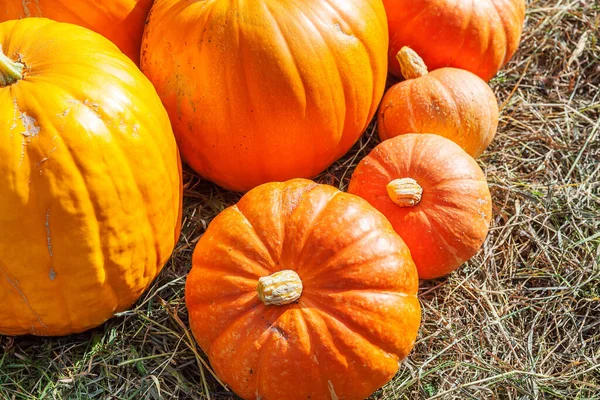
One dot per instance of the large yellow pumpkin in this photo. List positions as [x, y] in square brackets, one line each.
[265, 90]
[121, 21]
[90, 175]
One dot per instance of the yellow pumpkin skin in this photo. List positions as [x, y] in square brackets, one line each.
[265, 90]
[91, 181]
[121, 21]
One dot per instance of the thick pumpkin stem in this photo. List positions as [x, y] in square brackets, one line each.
[405, 192]
[10, 71]
[411, 64]
[280, 288]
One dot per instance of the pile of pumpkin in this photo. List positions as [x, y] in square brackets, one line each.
[298, 291]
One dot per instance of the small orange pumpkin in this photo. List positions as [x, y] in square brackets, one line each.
[262, 90]
[475, 35]
[434, 194]
[90, 179]
[121, 21]
[303, 292]
[449, 102]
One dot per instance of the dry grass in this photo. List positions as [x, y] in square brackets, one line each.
[520, 321]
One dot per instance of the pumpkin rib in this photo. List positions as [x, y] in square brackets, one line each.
[435, 225]
[339, 82]
[309, 334]
[195, 301]
[79, 174]
[11, 281]
[119, 153]
[503, 26]
[237, 254]
[232, 324]
[292, 61]
[372, 56]
[465, 29]
[266, 248]
[318, 306]
[318, 272]
[458, 116]
[312, 225]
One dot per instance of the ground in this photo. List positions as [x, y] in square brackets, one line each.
[520, 320]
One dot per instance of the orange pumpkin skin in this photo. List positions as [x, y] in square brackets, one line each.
[357, 315]
[121, 21]
[478, 36]
[262, 91]
[91, 181]
[449, 102]
[450, 223]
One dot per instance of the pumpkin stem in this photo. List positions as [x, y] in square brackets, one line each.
[405, 192]
[281, 288]
[411, 64]
[10, 71]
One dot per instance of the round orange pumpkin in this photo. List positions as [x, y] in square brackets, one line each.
[449, 102]
[434, 194]
[476, 35]
[90, 175]
[262, 90]
[121, 21]
[301, 291]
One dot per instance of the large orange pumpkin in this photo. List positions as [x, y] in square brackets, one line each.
[449, 102]
[121, 21]
[90, 175]
[476, 35]
[263, 90]
[301, 291]
[434, 194]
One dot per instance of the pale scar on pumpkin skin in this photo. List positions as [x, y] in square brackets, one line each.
[48, 236]
[15, 285]
[332, 391]
[26, 4]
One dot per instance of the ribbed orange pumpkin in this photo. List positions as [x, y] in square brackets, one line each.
[434, 194]
[476, 35]
[301, 291]
[121, 21]
[449, 102]
[90, 175]
[264, 90]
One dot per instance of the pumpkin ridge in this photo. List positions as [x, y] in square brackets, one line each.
[322, 291]
[266, 248]
[450, 97]
[309, 334]
[154, 244]
[68, 152]
[227, 298]
[465, 28]
[315, 273]
[87, 196]
[330, 345]
[378, 343]
[284, 40]
[376, 158]
[372, 57]
[339, 81]
[435, 225]
[309, 231]
[504, 31]
[15, 285]
[242, 315]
